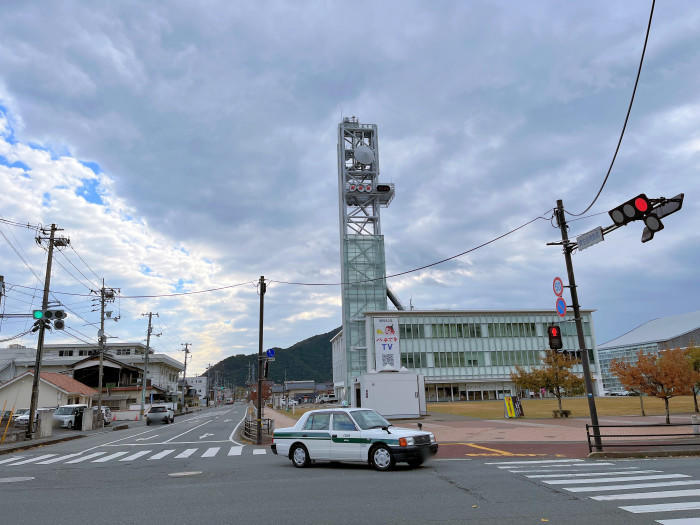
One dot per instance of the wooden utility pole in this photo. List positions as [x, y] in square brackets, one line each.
[260, 359]
[144, 379]
[184, 375]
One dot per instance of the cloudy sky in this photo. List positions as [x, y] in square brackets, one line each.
[189, 145]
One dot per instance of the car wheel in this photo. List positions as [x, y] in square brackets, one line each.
[148, 422]
[300, 456]
[381, 458]
[415, 463]
[70, 425]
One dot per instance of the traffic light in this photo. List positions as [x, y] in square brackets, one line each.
[555, 342]
[632, 210]
[653, 220]
[46, 316]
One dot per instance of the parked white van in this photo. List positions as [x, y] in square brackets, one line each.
[65, 415]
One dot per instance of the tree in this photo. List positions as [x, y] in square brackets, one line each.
[694, 358]
[555, 375]
[665, 375]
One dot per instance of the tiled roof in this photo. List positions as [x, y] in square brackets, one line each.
[657, 330]
[67, 383]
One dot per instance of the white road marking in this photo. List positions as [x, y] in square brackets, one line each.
[149, 437]
[117, 440]
[137, 455]
[110, 457]
[186, 431]
[9, 460]
[561, 470]
[606, 480]
[235, 451]
[649, 495]
[162, 454]
[259, 451]
[31, 460]
[59, 458]
[187, 453]
[183, 474]
[205, 435]
[663, 507]
[85, 458]
[629, 486]
[583, 474]
[534, 462]
[680, 521]
[227, 420]
[15, 480]
[453, 459]
[233, 432]
[555, 468]
[211, 452]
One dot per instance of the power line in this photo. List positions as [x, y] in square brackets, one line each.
[69, 273]
[85, 263]
[15, 336]
[78, 269]
[629, 110]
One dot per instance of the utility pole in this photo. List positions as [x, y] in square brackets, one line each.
[53, 241]
[208, 384]
[260, 359]
[144, 379]
[106, 294]
[184, 375]
[561, 220]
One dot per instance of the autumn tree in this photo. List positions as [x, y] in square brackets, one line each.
[555, 376]
[665, 375]
[694, 358]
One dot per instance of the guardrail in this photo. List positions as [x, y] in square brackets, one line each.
[647, 437]
[250, 428]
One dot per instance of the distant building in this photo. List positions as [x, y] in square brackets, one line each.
[677, 331]
[54, 390]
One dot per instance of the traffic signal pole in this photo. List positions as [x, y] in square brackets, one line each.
[260, 361]
[561, 220]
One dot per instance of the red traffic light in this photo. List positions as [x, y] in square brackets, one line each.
[554, 331]
[555, 342]
[641, 204]
[632, 210]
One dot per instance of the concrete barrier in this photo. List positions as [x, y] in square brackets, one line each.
[120, 427]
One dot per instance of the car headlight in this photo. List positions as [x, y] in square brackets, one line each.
[406, 442]
[432, 437]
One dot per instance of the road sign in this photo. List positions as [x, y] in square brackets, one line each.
[561, 306]
[588, 239]
[270, 352]
[558, 286]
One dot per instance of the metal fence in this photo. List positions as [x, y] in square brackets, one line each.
[250, 428]
[679, 436]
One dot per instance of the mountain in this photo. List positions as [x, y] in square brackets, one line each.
[307, 359]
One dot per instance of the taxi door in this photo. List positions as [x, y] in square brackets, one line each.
[316, 435]
[346, 441]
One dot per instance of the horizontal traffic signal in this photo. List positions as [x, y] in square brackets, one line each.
[632, 210]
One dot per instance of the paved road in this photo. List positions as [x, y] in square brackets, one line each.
[194, 471]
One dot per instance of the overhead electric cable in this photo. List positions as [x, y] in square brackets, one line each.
[84, 262]
[92, 284]
[629, 110]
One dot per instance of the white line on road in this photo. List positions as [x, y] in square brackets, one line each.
[205, 435]
[680, 521]
[629, 486]
[31, 460]
[117, 440]
[259, 451]
[534, 462]
[15, 480]
[59, 458]
[162, 454]
[561, 470]
[136, 456]
[235, 429]
[11, 459]
[555, 468]
[211, 452]
[149, 437]
[150, 443]
[187, 453]
[607, 480]
[235, 451]
[186, 431]
[584, 474]
[110, 457]
[663, 507]
[649, 495]
[85, 458]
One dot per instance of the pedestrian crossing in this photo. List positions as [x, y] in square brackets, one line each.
[666, 497]
[129, 456]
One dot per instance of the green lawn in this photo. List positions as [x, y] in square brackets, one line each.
[542, 408]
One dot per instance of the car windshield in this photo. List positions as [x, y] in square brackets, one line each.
[22, 411]
[64, 411]
[158, 409]
[367, 419]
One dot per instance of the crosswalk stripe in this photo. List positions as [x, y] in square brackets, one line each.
[259, 451]
[663, 507]
[607, 480]
[629, 486]
[560, 470]
[110, 457]
[649, 495]
[137, 455]
[85, 458]
[235, 451]
[187, 453]
[562, 467]
[59, 458]
[211, 452]
[583, 474]
[31, 460]
[16, 458]
[680, 521]
[162, 454]
[534, 462]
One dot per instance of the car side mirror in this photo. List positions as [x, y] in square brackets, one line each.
[420, 426]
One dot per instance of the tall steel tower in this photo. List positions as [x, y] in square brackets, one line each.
[363, 269]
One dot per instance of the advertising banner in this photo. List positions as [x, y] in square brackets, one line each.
[386, 343]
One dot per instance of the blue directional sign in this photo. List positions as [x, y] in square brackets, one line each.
[561, 306]
[270, 352]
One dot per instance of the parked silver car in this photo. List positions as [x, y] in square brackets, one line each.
[160, 414]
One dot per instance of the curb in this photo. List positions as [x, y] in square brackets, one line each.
[35, 445]
[644, 454]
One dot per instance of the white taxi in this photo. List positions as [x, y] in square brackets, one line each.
[352, 434]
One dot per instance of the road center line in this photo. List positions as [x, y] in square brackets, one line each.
[186, 431]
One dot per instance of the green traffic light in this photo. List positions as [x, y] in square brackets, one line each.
[38, 314]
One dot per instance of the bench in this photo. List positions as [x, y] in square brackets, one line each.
[561, 413]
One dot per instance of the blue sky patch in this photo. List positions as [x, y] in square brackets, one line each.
[88, 191]
[180, 286]
[145, 270]
[15, 164]
[46, 201]
[94, 166]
